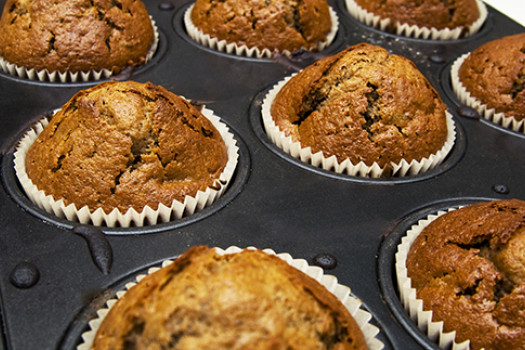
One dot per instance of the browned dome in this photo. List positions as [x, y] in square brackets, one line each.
[75, 35]
[126, 145]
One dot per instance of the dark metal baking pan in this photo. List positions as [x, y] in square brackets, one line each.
[274, 201]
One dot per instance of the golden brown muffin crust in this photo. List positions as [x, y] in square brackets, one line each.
[437, 14]
[75, 35]
[126, 144]
[468, 267]
[365, 105]
[494, 73]
[246, 300]
[273, 24]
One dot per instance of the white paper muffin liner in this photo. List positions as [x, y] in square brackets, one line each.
[243, 50]
[294, 148]
[45, 75]
[414, 31]
[414, 306]
[147, 216]
[342, 292]
[484, 111]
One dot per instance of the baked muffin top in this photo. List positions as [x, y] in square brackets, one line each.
[123, 145]
[494, 73]
[363, 104]
[245, 300]
[75, 35]
[425, 13]
[276, 25]
[468, 267]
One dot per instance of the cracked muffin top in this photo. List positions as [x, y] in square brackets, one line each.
[75, 35]
[126, 145]
[276, 25]
[494, 73]
[437, 14]
[362, 104]
[245, 300]
[468, 267]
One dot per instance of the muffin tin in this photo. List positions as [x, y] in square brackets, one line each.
[55, 274]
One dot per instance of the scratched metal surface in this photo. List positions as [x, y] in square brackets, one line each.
[274, 201]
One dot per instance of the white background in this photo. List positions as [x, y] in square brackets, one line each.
[514, 9]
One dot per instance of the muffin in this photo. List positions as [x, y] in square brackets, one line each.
[468, 268]
[244, 300]
[491, 79]
[428, 19]
[127, 145]
[363, 105]
[76, 36]
[261, 28]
